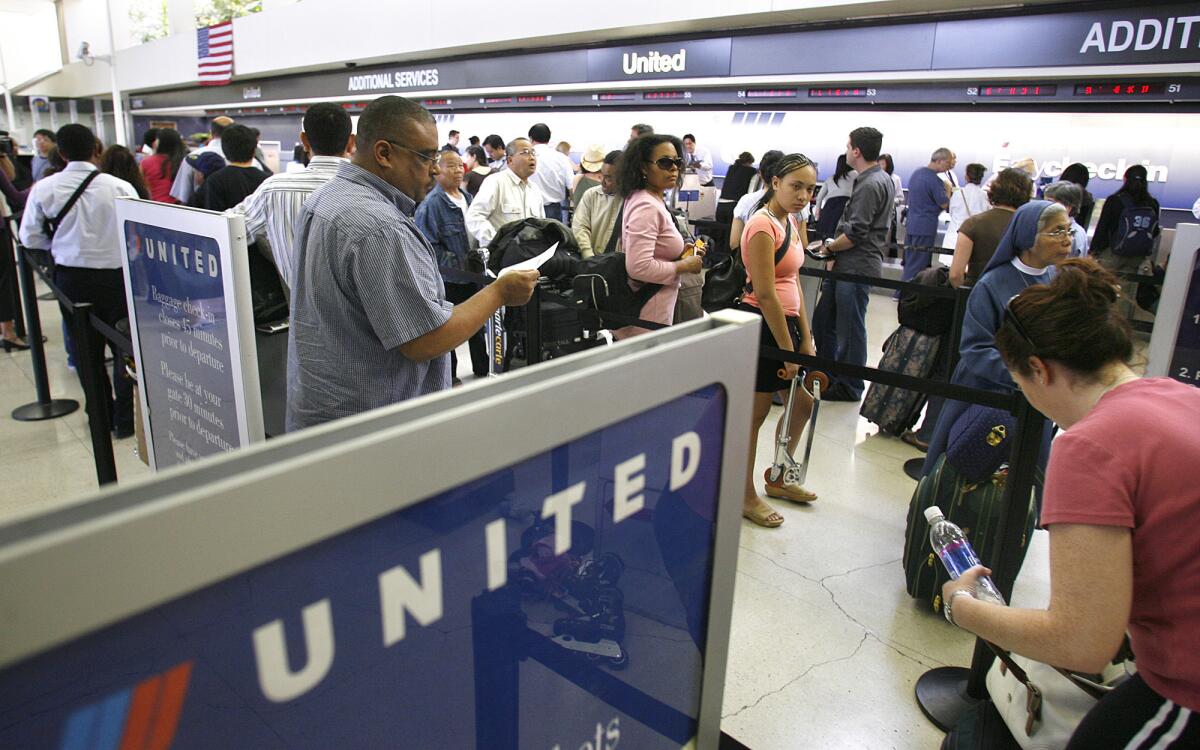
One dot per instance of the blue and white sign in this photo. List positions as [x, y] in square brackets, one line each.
[561, 602]
[187, 282]
[1175, 342]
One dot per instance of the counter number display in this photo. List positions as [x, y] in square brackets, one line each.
[840, 92]
[1018, 90]
[770, 93]
[1118, 88]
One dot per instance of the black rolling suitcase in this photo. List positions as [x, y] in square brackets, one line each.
[908, 352]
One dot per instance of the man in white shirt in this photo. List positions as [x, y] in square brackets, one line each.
[595, 219]
[87, 252]
[507, 196]
[556, 172]
[272, 209]
[185, 182]
[697, 160]
[493, 146]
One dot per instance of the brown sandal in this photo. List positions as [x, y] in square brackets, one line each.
[763, 515]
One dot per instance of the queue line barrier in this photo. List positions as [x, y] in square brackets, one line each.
[81, 322]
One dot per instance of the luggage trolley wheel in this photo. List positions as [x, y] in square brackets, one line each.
[816, 376]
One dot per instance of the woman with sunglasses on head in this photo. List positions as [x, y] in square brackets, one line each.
[1121, 508]
[1037, 239]
[654, 249]
[774, 280]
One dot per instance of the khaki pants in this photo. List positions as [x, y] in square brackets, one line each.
[1120, 264]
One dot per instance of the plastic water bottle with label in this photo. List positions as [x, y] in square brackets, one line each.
[957, 555]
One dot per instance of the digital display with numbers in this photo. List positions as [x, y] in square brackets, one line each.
[1185, 362]
[665, 95]
[623, 97]
[532, 99]
[1020, 89]
[770, 93]
[496, 100]
[436, 102]
[1117, 88]
[837, 93]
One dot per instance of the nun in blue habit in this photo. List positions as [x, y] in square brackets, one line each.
[1037, 240]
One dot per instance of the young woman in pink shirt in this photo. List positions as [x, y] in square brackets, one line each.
[774, 279]
[1122, 506]
[655, 252]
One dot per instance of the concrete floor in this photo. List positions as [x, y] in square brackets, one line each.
[826, 645]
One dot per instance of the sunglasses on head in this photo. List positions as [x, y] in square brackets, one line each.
[1011, 318]
[666, 163]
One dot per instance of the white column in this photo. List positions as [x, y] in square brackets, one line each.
[35, 117]
[73, 110]
[98, 114]
[54, 116]
[181, 17]
[9, 110]
[118, 108]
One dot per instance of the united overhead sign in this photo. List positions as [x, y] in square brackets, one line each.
[1148, 35]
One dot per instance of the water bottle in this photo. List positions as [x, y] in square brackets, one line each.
[952, 547]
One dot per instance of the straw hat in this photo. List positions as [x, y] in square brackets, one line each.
[592, 159]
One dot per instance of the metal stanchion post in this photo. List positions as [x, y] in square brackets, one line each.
[45, 407]
[945, 694]
[96, 396]
[960, 312]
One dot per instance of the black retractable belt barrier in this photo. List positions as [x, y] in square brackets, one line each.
[91, 372]
[45, 407]
[945, 694]
[904, 286]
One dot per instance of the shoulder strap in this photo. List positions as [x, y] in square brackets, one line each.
[616, 232]
[780, 252]
[75, 197]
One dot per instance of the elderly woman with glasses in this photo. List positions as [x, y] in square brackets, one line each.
[655, 252]
[1037, 240]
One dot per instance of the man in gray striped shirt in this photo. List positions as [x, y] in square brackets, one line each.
[274, 208]
[370, 322]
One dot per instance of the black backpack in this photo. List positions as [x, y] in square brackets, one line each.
[523, 239]
[1135, 231]
[926, 313]
[726, 282]
[602, 283]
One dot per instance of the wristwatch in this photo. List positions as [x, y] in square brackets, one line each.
[829, 242]
[946, 605]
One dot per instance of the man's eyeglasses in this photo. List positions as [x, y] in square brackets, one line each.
[666, 163]
[525, 152]
[1060, 234]
[429, 156]
[1011, 318]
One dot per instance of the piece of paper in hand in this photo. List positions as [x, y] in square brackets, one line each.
[533, 263]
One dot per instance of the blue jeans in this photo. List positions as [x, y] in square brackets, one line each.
[916, 261]
[840, 326]
[554, 211]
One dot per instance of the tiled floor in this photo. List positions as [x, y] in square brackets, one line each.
[826, 646]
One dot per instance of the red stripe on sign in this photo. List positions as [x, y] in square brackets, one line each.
[210, 63]
[141, 711]
[166, 719]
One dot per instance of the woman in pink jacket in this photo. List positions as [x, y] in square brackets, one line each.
[654, 250]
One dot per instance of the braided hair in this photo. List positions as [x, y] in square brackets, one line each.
[785, 166]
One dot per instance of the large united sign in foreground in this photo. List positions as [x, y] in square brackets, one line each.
[568, 599]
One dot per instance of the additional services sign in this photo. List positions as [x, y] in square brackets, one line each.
[560, 602]
[186, 277]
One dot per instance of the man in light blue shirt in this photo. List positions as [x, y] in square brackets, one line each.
[370, 324]
[928, 196]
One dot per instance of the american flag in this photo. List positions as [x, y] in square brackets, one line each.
[214, 53]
